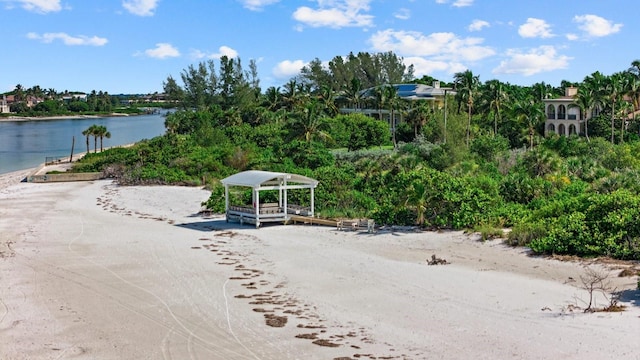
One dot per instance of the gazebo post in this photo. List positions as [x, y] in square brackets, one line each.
[312, 202]
[226, 202]
[286, 211]
[256, 193]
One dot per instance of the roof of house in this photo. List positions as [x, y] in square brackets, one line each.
[256, 178]
[415, 91]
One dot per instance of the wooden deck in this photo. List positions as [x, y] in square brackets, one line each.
[268, 212]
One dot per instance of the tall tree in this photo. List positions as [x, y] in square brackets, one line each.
[531, 113]
[310, 123]
[584, 100]
[614, 87]
[418, 116]
[102, 132]
[493, 98]
[466, 86]
[87, 133]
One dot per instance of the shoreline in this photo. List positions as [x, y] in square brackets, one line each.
[103, 271]
[15, 177]
[61, 117]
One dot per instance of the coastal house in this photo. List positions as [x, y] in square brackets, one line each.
[562, 116]
[274, 186]
[436, 95]
[4, 106]
[67, 98]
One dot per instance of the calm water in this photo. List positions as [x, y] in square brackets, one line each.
[25, 144]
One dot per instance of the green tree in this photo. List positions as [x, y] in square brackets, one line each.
[531, 113]
[102, 132]
[309, 123]
[493, 99]
[584, 100]
[466, 85]
[614, 87]
[87, 133]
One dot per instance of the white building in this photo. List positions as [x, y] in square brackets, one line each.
[4, 107]
[563, 117]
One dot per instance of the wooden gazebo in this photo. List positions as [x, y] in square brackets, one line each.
[258, 181]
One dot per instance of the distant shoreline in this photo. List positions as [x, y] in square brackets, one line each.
[61, 117]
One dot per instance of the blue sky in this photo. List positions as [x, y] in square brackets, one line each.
[132, 46]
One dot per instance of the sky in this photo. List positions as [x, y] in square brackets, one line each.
[133, 46]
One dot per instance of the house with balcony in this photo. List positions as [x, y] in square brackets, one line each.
[562, 116]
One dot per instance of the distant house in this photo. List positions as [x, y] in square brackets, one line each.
[74, 97]
[4, 106]
[435, 95]
[563, 116]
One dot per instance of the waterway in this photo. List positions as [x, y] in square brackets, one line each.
[26, 144]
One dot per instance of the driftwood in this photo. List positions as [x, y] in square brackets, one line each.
[436, 261]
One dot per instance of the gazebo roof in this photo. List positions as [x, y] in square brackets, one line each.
[256, 178]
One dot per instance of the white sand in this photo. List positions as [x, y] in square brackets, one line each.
[96, 271]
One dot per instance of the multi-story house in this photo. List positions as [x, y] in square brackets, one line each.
[4, 106]
[563, 116]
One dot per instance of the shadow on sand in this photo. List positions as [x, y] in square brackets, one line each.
[631, 296]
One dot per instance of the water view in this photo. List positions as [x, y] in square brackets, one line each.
[26, 144]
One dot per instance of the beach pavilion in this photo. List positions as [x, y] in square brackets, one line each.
[260, 181]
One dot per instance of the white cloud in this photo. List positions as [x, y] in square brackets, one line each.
[140, 7]
[434, 52]
[336, 14]
[424, 66]
[40, 6]
[571, 37]
[535, 28]
[537, 60]
[478, 25]
[288, 68]
[440, 46]
[456, 3]
[462, 3]
[596, 26]
[403, 14]
[68, 39]
[162, 51]
[257, 5]
[222, 51]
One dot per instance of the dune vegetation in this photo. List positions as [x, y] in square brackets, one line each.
[481, 162]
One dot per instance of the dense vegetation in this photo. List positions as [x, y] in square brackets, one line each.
[487, 167]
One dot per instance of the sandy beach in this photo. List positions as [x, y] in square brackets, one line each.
[91, 270]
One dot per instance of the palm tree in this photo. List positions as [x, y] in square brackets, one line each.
[273, 98]
[495, 97]
[418, 196]
[393, 103]
[418, 116]
[353, 93]
[101, 132]
[531, 112]
[584, 100]
[88, 132]
[327, 98]
[309, 123]
[614, 87]
[466, 85]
